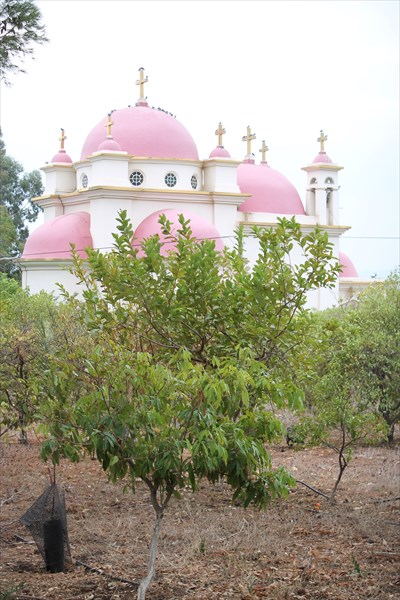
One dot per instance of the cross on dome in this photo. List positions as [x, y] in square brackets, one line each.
[322, 138]
[109, 144]
[108, 125]
[220, 132]
[264, 149]
[140, 82]
[61, 156]
[62, 139]
[248, 138]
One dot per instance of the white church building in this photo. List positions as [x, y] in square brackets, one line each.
[143, 160]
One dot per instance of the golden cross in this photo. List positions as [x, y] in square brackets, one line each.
[263, 150]
[141, 82]
[322, 138]
[62, 138]
[108, 125]
[220, 132]
[247, 138]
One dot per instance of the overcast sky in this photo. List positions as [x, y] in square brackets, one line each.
[287, 69]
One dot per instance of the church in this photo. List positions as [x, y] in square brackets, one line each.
[143, 160]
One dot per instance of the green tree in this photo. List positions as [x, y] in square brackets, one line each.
[16, 207]
[188, 358]
[352, 381]
[31, 327]
[21, 354]
[375, 325]
[338, 416]
[20, 30]
[8, 238]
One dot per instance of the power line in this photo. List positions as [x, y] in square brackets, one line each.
[370, 237]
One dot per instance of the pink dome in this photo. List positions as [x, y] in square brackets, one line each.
[145, 132]
[61, 157]
[109, 144]
[348, 269]
[201, 229]
[220, 152]
[53, 238]
[271, 191]
[322, 157]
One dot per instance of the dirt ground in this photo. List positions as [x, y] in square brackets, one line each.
[302, 547]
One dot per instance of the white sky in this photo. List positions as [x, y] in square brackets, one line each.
[287, 69]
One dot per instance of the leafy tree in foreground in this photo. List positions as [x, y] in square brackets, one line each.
[20, 29]
[16, 207]
[188, 357]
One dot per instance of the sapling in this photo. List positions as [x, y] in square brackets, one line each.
[338, 416]
[184, 356]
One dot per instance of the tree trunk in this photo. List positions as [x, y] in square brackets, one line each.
[23, 437]
[335, 487]
[390, 436]
[151, 571]
[342, 464]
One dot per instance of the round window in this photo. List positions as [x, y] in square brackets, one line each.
[193, 182]
[170, 179]
[84, 180]
[136, 178]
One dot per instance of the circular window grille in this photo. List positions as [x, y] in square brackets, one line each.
[170, 179]
[136, 178]
[193, 182]
[84, 181]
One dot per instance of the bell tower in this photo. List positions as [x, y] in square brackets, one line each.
[322, 198]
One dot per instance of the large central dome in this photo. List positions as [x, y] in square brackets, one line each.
[145, 132]
[271, 191]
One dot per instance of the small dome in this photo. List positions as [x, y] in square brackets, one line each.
[109, 145]
[322, 157]
[219, 152]
[145, 132]
[348, 269]
[200, 227]
[53, 238]
[271, 191]
[61, 157]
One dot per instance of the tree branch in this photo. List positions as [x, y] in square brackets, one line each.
[108, 575]
[313, 489]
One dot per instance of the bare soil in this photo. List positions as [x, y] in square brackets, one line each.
[300, 548]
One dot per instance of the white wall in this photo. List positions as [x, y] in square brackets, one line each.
[103, 220]
[45, 276]
[155, 170]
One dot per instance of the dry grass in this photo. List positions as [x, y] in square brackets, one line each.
[211, 549]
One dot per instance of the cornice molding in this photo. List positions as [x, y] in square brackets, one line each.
[322, 167]
[138, 159]
[86, 194]
[333, 230]
[55, 166]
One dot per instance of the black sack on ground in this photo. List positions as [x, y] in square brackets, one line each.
[46, 520]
